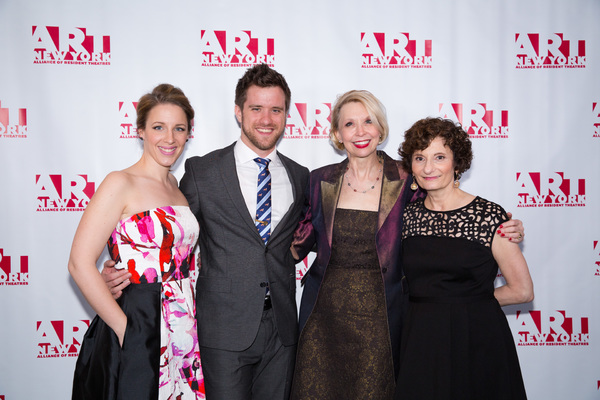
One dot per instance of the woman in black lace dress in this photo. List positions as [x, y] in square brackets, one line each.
[456, 342]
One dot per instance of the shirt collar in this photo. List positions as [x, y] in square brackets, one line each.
[244, 154]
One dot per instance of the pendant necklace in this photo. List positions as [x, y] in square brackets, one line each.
[366, 190]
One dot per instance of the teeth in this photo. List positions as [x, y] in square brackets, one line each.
[167, 150]
[362, 142]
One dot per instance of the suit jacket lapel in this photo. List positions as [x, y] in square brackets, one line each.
[231, 183]
[297, 190]
[390, 189]
[330, 193]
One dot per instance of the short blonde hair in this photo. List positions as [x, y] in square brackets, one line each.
[373, 106]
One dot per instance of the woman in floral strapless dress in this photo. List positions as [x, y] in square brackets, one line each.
[146, 345]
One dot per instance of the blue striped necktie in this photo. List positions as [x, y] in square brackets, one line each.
[263, 199]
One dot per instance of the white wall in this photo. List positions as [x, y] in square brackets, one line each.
[465, 53]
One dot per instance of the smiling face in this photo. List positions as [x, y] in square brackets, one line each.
[165, 134]
[357, 131]
[262, 118]
[434, 167]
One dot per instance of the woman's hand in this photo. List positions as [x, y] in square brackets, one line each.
[512, 230]
[116, 279]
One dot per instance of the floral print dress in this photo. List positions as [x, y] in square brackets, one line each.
[160, 357]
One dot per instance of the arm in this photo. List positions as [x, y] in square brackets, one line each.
[519, 286]
[512, 230]
[98, 221]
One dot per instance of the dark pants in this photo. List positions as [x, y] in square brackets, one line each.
[262, 371]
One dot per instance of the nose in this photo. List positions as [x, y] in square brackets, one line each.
[360, 129]
[428, 167]
[265, 117]
[170, 135]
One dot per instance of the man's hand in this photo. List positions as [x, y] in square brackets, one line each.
[115, 279]
[512, 229]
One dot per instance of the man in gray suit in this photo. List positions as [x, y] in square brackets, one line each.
[245, 298]
[246, 288]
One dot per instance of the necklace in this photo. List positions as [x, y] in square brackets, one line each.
[372, 186]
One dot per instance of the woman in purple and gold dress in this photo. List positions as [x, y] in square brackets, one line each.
[145, 346]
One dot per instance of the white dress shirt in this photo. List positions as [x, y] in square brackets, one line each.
[282, 195]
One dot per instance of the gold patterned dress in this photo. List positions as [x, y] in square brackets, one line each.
[344, 351]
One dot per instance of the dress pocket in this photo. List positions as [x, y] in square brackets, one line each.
[124, 335]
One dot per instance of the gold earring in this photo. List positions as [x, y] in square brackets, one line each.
[456, 183]
[414, 185]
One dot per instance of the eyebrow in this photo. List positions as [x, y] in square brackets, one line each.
[262, 106]
[164, 123]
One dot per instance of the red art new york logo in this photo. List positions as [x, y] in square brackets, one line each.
[59, 338]
[301, 269]
[552, 328]
[235, 49]
[596, 119]
[597, 255]
[477, 120]
[128, 117]
[59, 193]
[62, 45]
[13, 274]
[549, 189]
[13, 122]
[308, 121]
[394, 50]
[553, 50]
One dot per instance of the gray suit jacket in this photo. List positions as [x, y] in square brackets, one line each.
[236, 264]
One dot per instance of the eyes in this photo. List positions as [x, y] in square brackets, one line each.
[367, 121]
[178, 128]
[437, 157]
[273, 110]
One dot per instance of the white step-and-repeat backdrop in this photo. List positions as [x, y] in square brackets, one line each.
[522, 76]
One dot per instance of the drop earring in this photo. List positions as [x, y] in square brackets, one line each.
[414, 185]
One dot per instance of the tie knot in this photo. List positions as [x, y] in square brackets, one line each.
[262, 162]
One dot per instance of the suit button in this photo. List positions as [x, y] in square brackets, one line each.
[384, 270]
[264, 284]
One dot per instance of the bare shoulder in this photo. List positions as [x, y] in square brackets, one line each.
[115, 189]
[118, 178]
[114, 182]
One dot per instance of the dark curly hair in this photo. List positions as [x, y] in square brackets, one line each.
[422, 133]
[164, 93]
[262, 76]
